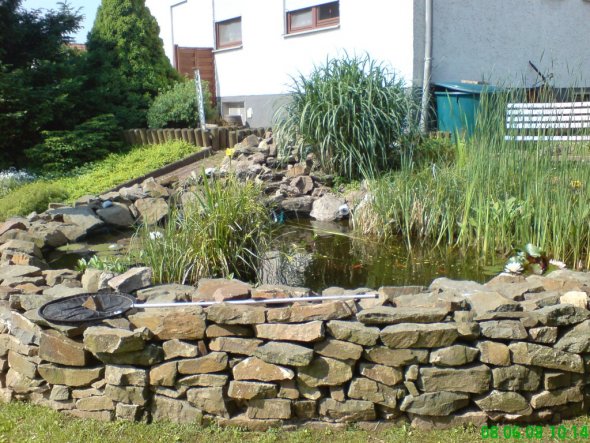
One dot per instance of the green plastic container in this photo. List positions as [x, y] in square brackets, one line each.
[456, 106]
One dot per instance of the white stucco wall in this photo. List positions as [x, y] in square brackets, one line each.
[384, 28]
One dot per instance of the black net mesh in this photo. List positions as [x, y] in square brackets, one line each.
[85, 308]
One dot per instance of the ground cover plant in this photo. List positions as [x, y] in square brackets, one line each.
[495, 196]
[353, 113]
[94, 178]
[221, 232]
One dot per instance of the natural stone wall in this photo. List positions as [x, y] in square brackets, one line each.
[457, 352]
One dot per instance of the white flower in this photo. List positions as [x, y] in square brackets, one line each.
[156, 234]
[557, 263]
[513, 268]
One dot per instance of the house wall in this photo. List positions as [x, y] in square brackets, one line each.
[259, 71]
[494, 40]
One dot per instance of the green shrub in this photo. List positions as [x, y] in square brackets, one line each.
[89, 141]
[352, 113]
[31, 197]
[177, 107]
[222, 233]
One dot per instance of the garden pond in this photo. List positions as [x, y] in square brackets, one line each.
[318, 255]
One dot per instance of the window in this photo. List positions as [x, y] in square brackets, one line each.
[229, 33]
[315, 17]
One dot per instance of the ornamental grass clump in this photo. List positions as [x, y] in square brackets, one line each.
[354, 114]
[221, 230]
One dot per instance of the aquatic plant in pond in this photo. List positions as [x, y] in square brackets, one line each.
[222, 231]
[496, 195]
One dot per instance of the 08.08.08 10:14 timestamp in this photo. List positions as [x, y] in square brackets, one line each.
[535, 432]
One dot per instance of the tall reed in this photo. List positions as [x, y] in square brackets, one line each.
[222, 232]
[352, 112]
[500, 195]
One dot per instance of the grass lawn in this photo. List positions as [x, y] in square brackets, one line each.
[22, 422]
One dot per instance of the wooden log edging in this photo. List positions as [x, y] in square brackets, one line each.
[203, 153]
[216, 137]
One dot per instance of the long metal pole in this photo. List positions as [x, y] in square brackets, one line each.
[267, 301]
[427, 66]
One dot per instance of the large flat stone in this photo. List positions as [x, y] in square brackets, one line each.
[325, 371]
[249, 390]
[396, 357]
[456, 355]
[309, 312]
[150, 355]
[562, 315]
[62, 375]
[503, 330]
[303, 332]
[225, 313]
[172, 323]
[510, 402]
[125, 375]
[275, 408]
[284, 354]
[386, 315]
[254, 368]
[475, 379]
[209, 400]
[354, 332]
[383, 374]
[152, 210]
[235, 345]
[213, 362]
[409, 335]
[546, 357]
[341, 350]
[576, 339]
[482, 302]
[104, 340]
[177, 411]
[548, 399]
[516, 378]
[494, 353]
[435, 404]
[81, 216]
[366, 389]
[347, 411]
[132, 280]
[54, 347]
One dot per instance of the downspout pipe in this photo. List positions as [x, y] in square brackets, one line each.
[427, 66]
[172, 6]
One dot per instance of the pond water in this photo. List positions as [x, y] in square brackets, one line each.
[318, 255]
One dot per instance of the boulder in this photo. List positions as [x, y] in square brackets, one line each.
[94, 280]
[152, 210]
[21, 246]
[154, 189]
[409, 335]
[16, 271]
[117, 214]
[327, 208]
[132, 280]
[483, 302]
[81, 216]
[578, 299]
[297, 204]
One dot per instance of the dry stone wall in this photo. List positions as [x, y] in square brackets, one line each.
[457, 352]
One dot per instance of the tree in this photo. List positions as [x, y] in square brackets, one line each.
[127, 64]
[40, 77]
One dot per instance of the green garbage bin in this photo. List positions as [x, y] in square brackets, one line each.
[456, 106]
